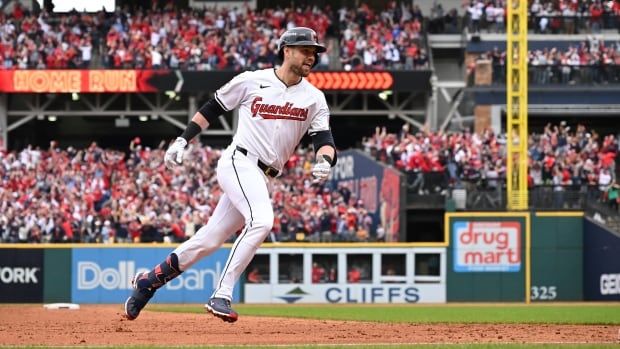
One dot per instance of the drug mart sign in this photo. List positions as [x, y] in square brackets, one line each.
[487, 246]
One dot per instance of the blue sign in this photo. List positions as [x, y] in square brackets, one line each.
[601, 265]
[376, 185]
[103, 275]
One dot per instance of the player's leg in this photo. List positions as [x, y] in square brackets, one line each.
[247, 190]
[225, 220]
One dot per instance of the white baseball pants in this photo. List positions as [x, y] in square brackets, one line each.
[246, 202]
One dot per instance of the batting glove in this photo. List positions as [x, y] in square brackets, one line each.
[321, 169]
[174, 154]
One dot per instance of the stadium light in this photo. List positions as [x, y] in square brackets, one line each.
[52, 118]
[75, 96]
[143, 118]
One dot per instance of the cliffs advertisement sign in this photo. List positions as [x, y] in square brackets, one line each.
[487, 246]
[345, 293]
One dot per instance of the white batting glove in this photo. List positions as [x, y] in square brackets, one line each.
[321, 169]
[174, 154]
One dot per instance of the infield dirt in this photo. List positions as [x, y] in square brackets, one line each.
[103, 325]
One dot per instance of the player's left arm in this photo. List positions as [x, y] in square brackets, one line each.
[321, 134]
[323, 141]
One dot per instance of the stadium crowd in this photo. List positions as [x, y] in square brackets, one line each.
[103, 195]
[591, 61]
[390, 39]
[208, 39]
[558, 157]
[545, 16]
[236, 39]
[29, 41]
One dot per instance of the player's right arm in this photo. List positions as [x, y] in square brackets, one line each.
[226, 98]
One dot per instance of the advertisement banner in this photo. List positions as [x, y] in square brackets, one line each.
[103, 275]
[489, 256]
[68, 81]
[21, 275]
[376, 185]
[135, 80]
[349, 293]
[487, 246]
[601, 263]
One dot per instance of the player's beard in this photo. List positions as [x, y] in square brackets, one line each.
[301, 70]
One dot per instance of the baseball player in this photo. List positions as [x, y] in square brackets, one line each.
[276, 108]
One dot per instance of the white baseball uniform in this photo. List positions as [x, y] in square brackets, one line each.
[272, 120]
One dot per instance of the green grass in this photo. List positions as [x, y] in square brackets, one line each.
[600, 314]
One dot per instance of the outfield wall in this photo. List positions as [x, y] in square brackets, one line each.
[485, 256]
[602, 263]
[515, 256]
[352, 274]
[98, 274]
[376, 273]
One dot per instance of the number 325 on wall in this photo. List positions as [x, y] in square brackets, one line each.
[543, 293]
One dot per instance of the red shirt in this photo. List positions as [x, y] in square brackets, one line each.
[317, 274]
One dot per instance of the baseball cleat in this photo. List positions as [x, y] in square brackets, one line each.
[138, 299]
[220, 307]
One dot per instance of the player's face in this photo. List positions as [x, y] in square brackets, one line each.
[302, 59]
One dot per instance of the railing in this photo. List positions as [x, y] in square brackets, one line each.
[542, 197]
[430, 190]
[579, 24]
[564, 74]
[603, 213]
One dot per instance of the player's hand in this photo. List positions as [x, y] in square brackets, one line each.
[321, 169]
[174, 154]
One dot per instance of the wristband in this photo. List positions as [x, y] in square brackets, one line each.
[191, 131]
[328, 159]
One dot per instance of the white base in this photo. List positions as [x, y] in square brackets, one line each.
[56, 306]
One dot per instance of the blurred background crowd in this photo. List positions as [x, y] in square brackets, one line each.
[104, 195]
[207, 39]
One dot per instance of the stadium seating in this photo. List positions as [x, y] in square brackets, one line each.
[213, 39]
[104, 195]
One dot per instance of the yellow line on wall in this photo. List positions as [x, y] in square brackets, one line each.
[266, 245]
[560, 214]
[487, 214]
[528, 260]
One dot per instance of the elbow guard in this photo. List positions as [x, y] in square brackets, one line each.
[212, 109]
[321, 138]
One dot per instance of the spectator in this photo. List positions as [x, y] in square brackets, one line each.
[318, 273]
[254, 276]
[354, 275]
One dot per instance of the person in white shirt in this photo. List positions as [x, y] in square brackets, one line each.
[276, 108]
[86, 48]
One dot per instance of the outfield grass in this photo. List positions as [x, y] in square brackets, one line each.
[599, 314]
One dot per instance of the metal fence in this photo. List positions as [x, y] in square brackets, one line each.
[565, 74]
[432, 190]
[578, 24]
